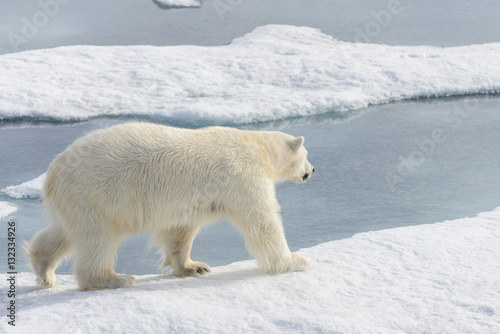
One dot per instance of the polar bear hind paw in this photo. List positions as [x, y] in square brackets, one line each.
[115, 282]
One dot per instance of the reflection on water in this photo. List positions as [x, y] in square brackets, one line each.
[391, 165]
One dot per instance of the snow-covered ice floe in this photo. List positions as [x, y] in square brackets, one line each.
[438, 278]
[28, 189]
[274, 72]
[178, 3]
[6, 209]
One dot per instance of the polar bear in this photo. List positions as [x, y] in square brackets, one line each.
[141, 177]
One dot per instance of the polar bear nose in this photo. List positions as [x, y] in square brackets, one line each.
[307, 175]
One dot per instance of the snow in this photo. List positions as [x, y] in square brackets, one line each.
[274, 72]
[437, 278]
[29, 189]
[6, 209]
[179, 3]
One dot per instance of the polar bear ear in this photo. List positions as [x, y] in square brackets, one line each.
[296, 143]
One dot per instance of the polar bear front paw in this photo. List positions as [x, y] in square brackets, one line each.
[192, 269]
[300, 263]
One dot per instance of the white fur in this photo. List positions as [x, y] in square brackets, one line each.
[140, 177]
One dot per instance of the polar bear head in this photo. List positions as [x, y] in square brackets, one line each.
[297, 168]
[290, 158]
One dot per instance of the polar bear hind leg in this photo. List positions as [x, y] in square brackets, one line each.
[45, 251]
[94, 260]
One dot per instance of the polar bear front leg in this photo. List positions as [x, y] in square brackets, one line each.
[177, 243]
[265, 240]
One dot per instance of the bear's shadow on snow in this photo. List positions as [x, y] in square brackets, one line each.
[212, 279]
[34, 296]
